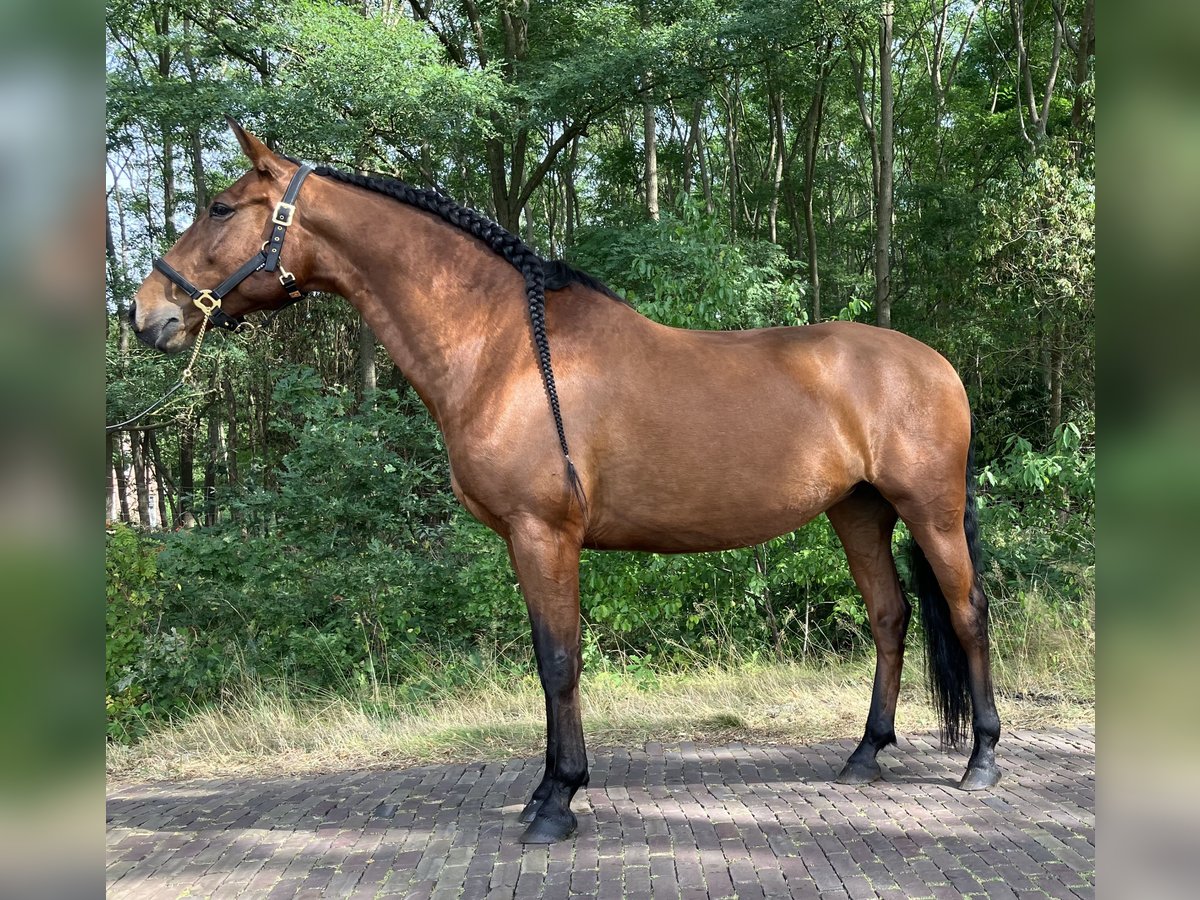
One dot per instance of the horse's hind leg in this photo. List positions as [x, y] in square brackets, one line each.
[547, 564]
[955, 613]
[864, 522]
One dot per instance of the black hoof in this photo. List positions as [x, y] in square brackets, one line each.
[529, 813]
[860, 773]
[546, 830]
[980, 778]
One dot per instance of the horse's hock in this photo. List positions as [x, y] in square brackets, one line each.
[656, 822]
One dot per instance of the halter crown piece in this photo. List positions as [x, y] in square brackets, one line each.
[208, 301]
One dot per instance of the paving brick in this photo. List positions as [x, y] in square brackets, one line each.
[657, 822]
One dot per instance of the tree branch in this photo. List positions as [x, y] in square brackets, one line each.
[539, 172]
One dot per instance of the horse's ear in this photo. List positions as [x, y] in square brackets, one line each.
[258, 153]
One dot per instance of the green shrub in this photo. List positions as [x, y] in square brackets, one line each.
[130, 613]
[686, 272]
[1038, 513]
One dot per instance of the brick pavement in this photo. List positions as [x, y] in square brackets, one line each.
[657, 822]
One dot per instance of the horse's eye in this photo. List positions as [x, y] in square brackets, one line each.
[220, 211]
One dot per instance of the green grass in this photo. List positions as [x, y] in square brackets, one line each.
[459, 708]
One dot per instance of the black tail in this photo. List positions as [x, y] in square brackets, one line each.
[945, 660]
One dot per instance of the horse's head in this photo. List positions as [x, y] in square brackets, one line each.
[238, 227]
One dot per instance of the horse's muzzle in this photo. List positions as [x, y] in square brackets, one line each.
[158, 329]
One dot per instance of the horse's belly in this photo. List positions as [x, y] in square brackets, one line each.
[693, 514]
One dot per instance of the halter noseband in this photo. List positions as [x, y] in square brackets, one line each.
[267, 259]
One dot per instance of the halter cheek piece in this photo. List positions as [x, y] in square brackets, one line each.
[267, 259]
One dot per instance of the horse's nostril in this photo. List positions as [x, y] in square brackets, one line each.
[133, 312]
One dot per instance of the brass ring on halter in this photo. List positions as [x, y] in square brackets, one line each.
[206, 303]
[246, 328]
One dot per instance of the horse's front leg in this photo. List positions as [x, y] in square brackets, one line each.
[547, 564]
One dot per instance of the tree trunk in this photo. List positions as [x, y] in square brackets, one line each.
[651, 136]
[1085, 49]
[152, 469]
[570, 197]
[141, 484]
[705, 177]
[649, 130]
[550, 200]
[510, 185]
[168, 138]
[731, 144]
[110, 496]
[866, 104]
[198, 177]
[1038, 107]
[195, 144]
[187, 478]
[812, 143]
[122, 474]
[883, 211]
[941, 79]
[168, 170]
[233, 477]
[760, 566]
[689, 148]
[779, 139]
[231, 443]
[210, 468]
[1056, 377]
[119, 273]
[166, 488]
[366, 358]
[116, 282]
[810, 236]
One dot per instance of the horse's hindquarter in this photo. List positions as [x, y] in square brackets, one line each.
[710, 440]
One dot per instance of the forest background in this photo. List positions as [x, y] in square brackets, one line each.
[287, 528]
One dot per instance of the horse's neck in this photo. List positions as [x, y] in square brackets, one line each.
[448, 310]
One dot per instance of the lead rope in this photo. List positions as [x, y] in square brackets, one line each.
[183, 379]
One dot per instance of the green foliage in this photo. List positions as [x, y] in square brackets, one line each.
[354, 79]
[323, 574]
[687, 272]
[131, 607]
[1040, 245]
[793, 592]
[1039, 512]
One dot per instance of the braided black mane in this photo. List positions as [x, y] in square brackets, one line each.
[560, 274]
[538, 273]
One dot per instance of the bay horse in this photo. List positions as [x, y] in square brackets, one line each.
[638, 437]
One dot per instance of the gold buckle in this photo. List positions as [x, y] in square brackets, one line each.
[292, 289]
[207, 303]
[284, 213]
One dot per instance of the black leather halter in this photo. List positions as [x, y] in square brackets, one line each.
[267, 259]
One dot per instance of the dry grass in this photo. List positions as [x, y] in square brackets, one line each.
[1045, 676]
